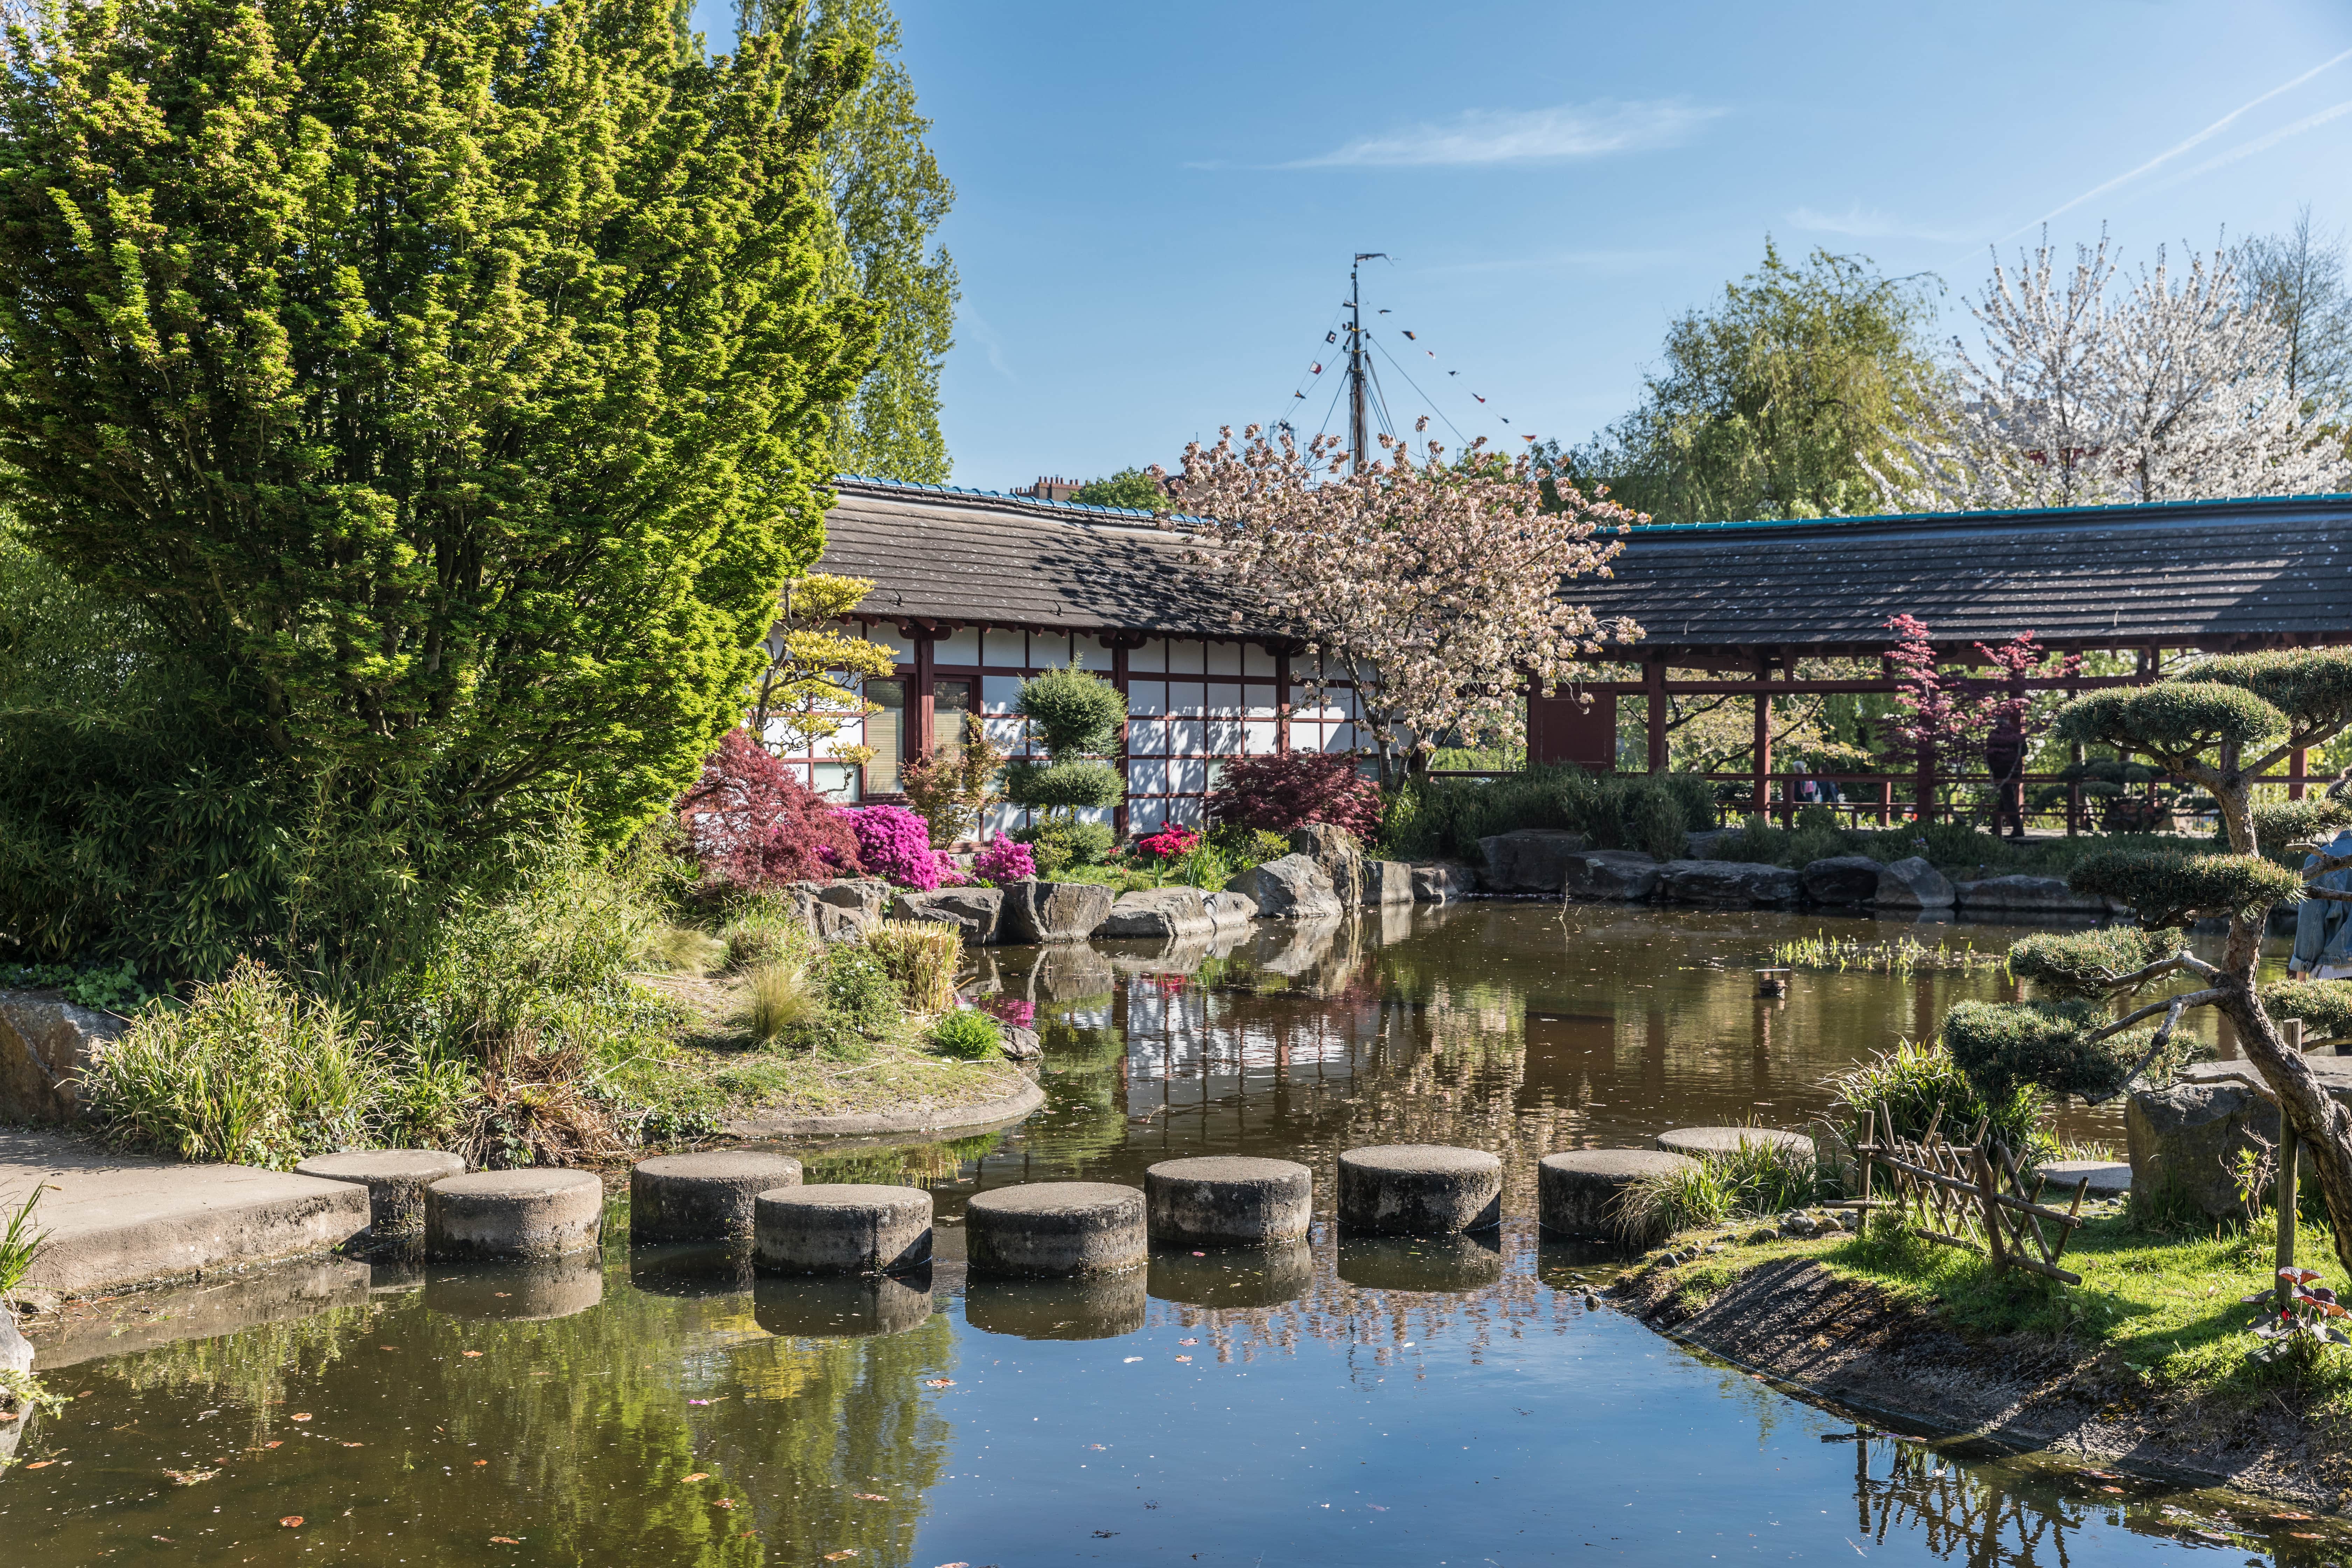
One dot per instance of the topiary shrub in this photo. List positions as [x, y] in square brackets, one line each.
[2169, 889]
[2003, 1046]
[2323, 1006]
[2087, 964]
[1059, 847]
[1277, 794]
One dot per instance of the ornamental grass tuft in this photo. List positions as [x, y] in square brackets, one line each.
[922, 956]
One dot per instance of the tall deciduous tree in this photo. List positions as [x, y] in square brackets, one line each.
[886, 199]
[2296, 280]
[1761, 404]
[1437, 588]
[445, 385]
[2176, 389]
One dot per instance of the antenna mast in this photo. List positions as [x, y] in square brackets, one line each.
[1357, 437]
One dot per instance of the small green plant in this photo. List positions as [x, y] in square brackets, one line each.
[1757, 1177]
[1203, 865]
[1243, 848]
[763, 926]
[777, 999]
[922, 956]
[19, 1244]
[859, 1004]
[1908, 1085]
[966, 1033]
[1688, 1198]
[110, 990]
[246, 1072]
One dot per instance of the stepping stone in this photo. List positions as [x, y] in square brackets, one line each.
[2110, 1178]
[1233, 1278]
[842, 1306]
[843, 1229]
[1223, 1200]
[1698, 1142]
[1056, 1228]
[519, 1292]
[1423, 1263]
[1097, 1306]
[395, 1180]
[706, 1196]
[513, 1214]
[1578, 1190]
[1418, 1189]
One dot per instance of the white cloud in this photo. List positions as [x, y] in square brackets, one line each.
[1483, 136]
[1858, 222]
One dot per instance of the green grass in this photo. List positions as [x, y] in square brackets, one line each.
[1902, 955]
[18, 1244]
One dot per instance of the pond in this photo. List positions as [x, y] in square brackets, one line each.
[1424, 1403]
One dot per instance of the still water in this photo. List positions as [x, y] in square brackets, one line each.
[1422, 1403]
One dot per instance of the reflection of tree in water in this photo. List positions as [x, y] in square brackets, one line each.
[586, 1423]
[1957, 1513]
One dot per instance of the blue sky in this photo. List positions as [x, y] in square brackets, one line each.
[1156, 203]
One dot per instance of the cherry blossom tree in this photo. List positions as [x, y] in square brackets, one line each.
[2093, 389]
[1435, 586]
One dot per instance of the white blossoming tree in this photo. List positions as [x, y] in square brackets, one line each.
[2170, 387]
[1433, 586]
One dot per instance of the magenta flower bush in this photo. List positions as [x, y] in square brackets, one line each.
[895, 844]
[1004, 861]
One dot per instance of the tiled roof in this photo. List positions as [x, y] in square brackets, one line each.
[937, 553]
[2208, 572]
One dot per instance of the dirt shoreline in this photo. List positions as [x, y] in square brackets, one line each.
[1845, 1343]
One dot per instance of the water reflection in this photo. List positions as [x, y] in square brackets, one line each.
[842, 1306]
[1098, 1307]
[1442, 1263]
[1232, 1277]
[517, 1293]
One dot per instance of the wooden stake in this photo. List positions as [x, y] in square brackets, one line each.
[2290, 1157]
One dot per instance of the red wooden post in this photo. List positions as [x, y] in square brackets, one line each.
[921, 708]
[1760, 761]
[1282, 699]
[1653, 676]
[2299, 763]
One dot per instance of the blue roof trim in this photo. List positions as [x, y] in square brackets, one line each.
[2053, 511]
[1080, 507]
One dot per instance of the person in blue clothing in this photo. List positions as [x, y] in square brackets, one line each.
[2322, 927]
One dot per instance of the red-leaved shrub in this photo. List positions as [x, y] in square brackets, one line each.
[1279, 794]
[753, 822]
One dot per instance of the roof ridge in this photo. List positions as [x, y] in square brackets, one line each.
[1020, 502]
[2037, 512]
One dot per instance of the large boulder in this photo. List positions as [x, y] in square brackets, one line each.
[1161, 912]
[1387, 882]
[1230, 913]
[975, 911]
[1528, 859]
[1441, 884]
[869, 896]
[1339, 856]
[1291, 889]
[45, 1043]
[1039, 913]
[2030, 896]
[2184, 1138]
[1726, 884]
[1610, 876]
[1846, 879]
[1912, 884]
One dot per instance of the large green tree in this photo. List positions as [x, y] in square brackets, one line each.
[885, 199]
[1759, 406]
[442, 385]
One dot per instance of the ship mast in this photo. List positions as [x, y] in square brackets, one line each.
[1358, 437]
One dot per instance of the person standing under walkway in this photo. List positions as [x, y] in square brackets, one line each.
[2005, 758]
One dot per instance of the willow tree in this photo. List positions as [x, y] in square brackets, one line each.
[443, 385]
[2221, 724]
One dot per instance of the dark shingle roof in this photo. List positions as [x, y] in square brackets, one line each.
[936, 554]
[2210, 572]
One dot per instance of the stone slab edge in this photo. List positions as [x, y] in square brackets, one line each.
[92, 1258]
[984, 1117]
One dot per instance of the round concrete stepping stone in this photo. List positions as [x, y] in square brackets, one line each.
[706, 1196]
[519, 1292]
[1224, 1199]
[1424, 1263]
[513, 1214]
[1578, 1190]
[1231, 1278]
[842, 1306]
[1097, 1307]
[1056, 1228]
[1698, 1142]
[844, 1228]
[2110, 1178]
[1418, 1189]
[395, 1180]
